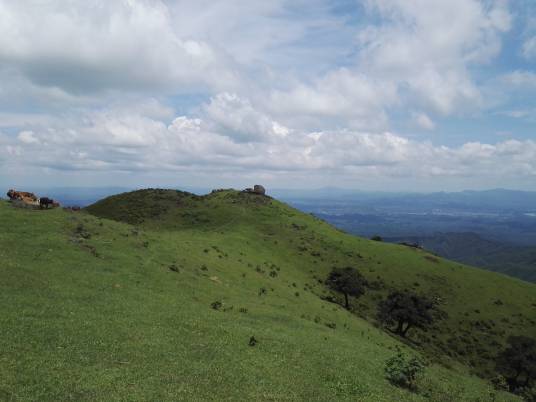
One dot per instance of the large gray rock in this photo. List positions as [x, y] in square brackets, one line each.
[258, 189]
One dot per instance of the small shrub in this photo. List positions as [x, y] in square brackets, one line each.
[404, 371]
[252, 341]
[499, 383]
[82, 232]
[217, 305]
[376, 238]
[529, 394]
[517, 363]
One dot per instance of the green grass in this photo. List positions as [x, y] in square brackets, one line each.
[90, 309]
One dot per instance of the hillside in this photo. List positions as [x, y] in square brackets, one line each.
[472, 249]
[155, 294]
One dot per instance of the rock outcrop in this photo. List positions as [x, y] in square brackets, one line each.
[257, 189]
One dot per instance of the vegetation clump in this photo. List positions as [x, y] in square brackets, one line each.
[404, 371]
[252, 341]
[82, 232]
[517, 363]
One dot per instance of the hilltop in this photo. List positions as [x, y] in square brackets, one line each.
[155, 295]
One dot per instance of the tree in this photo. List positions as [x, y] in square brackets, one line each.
[517, 363]
[406, 310]
[347, 281]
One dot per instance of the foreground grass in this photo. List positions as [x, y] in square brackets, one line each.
[93, 309]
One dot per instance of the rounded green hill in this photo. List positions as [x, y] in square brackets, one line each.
[156, 295]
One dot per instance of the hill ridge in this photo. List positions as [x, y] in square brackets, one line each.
[182, 298]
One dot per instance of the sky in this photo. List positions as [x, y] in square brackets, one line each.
[401, 95]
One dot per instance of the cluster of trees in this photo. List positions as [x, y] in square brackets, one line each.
[401, 310]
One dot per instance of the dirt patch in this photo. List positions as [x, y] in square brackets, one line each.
[432, 258]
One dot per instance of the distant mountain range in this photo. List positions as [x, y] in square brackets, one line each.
[498, 200]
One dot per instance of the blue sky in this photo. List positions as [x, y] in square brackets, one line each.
[367, 94]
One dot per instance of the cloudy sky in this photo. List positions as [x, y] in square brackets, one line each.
[369, 94]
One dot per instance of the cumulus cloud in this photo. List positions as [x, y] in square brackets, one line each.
[520, 79]
[27, 137]
[112, 141]
[529, 48]
[520, 113]
[360, 99]
[277, 89]
[82, 47]
[421, 53]
[429, 47]
[423, 121]
[238, 119]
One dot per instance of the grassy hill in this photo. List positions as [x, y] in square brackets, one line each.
[155, 294]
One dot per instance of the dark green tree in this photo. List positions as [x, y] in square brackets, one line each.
[517, 363]
[347, 281]
[405, 310]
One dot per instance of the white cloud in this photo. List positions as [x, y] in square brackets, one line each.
[529, 48]
[421, 54]
[428, 47]
[110, 141]
[520, 79]
[237, 118]
[359, 99]
[278, 88]
[27, 137]
[520, 113]
[423, 121]
[83, 47]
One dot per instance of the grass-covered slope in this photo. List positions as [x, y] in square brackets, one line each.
[469, 248]
[96, 309]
